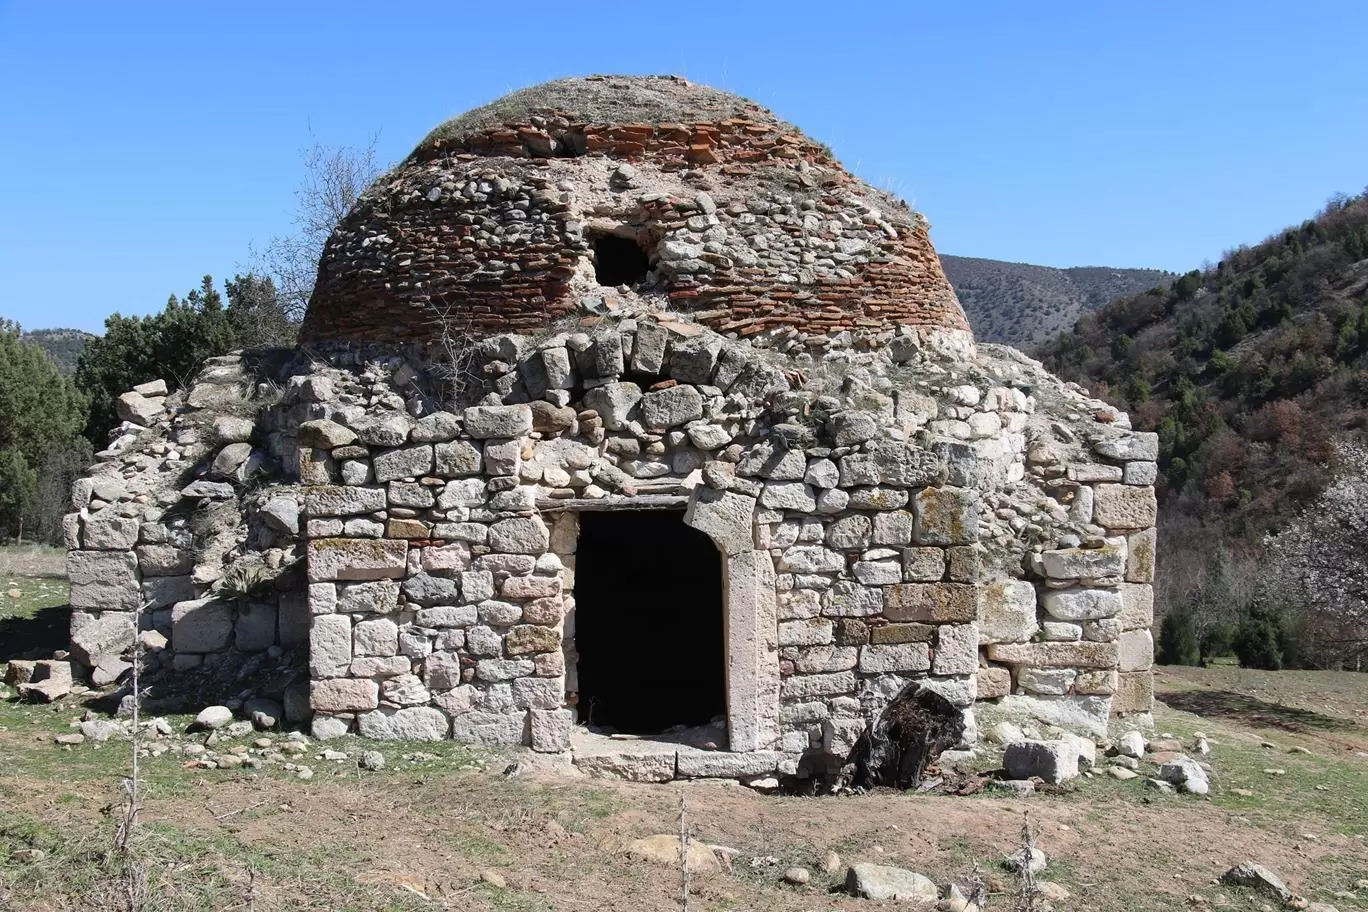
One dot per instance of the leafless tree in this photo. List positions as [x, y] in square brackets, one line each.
[334, 176]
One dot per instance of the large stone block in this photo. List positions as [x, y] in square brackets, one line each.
[1007, 612]
[330, 645]
[107, 531]
[1122, 506]
[1090, 563]
[164, 560]
[956, 649]
[357, 559]
[945, 516]
[413, 723]
[520, 535]
[933, 602]
[344, 695]
[614, 402]
[1053, 761]
[1074, 713]
[379, 597]
[457, 458]
[1056, 655]
[671, 407]
[491, 729]
[550, 729]
[486, 421]
[406, 462]
[1134, 692]
[254, 629]
[806, 687]
[1135, 445]
[97, 636]
[1136, 651]
[342, 500]
[1140, 552]
[892, 463]
[994, 681]
[379, 637]
[201, 625]
[103, 580]
[900, 657]
[1137, 606]
[728, 518]
[1078, 604]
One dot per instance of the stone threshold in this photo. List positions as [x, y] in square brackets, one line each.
[649, 760]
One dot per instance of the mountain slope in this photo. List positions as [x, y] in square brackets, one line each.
[1250, 372]
[1025, 305]
[63, 346]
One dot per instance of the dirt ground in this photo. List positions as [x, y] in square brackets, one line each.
[441, 827]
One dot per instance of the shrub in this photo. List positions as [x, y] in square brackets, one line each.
[1178, 643]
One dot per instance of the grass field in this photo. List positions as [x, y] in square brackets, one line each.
[441, 828]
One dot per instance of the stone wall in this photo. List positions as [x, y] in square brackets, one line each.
[941, 530]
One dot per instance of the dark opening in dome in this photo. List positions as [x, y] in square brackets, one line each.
[619, 260]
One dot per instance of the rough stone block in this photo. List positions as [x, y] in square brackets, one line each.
[1007, 612]
[1122, 506]
[491, 729]
[615, 403]
[457, 458]
[107, 531]
[95, 636]
[925, 565]
[1077, 563]
[823, 659]
[413, 723]
[696, 764]
[898, 657]
[1134, 692]
[520, 535]
[1140, 552]
[728, 518]
[254, 629]
[164, 560]
[632, 767]
[934, 602]
[1137, 606]
[1142, 445]
[1055, 655]
[888, 634]
[330, 645]
[945, 516]
[342, 500]
[201, 625]
[378, 637]
[1048, 681]
[994, 681]
[809, 632]
[539, 693]
[357, 559]
[671, 407]
[806, 687]
[956, 649]
[1136, 651]
[526, 639]
[1077, 604]
[1053, 761]
[103, 580]
[485, 421]
[344, 695]
[550, 729]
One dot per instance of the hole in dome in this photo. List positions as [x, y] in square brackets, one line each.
[618, 260]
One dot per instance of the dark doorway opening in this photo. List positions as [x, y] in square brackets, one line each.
[648, 623]
[619, 260]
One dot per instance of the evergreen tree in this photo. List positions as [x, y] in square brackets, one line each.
[1265, 640]
[41, 414]
[1178, 643]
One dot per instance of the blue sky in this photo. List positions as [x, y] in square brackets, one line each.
[145, 144]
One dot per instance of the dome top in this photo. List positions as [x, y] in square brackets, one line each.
[651, 100]
[586, 195]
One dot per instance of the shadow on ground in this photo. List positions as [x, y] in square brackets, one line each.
[1251, 711]
[35, 637]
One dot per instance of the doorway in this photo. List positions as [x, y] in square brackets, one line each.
[649, 625]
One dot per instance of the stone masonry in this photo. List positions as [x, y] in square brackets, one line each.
[391, 521]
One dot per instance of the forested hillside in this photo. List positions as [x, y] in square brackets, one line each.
[1025, 305]
[63, 346]
[1253, 373]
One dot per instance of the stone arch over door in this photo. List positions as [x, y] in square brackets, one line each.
[752, 619]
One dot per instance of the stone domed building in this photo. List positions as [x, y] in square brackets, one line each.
[621, 406]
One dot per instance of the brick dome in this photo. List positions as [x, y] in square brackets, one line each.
[581, 195]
